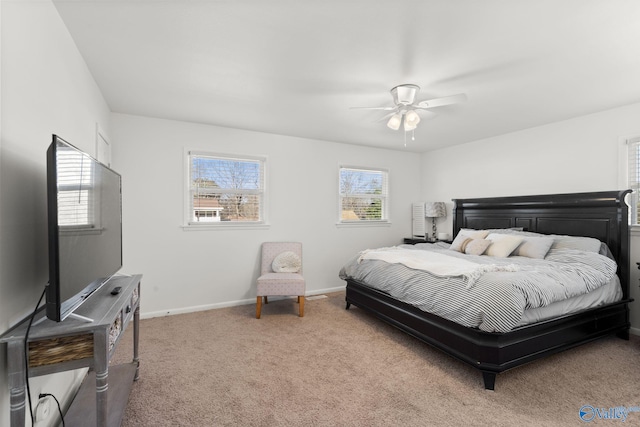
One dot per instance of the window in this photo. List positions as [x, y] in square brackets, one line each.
[363, 195]
[633, 177]
[225, 189]
[76, 190]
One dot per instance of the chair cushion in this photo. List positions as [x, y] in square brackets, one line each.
[280, 284]
[281, 278]
[286, 262]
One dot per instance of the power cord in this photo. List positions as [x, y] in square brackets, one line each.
[26, 354]
[58, 403]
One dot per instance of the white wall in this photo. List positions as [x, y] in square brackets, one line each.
[577, 155]
[188, 270]
[45, 88]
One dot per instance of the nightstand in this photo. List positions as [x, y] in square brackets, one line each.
[415, 240]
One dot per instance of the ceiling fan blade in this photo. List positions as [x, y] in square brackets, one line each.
[439, 102]
[385, 117]
[373, 108]
[426, 114]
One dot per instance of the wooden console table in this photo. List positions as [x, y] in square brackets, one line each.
[73, 344]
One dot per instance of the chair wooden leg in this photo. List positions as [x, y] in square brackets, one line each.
[298, 299]
[258, 307]
[266, 300]
[301, 300]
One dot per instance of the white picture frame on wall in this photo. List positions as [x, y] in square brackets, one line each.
[103, 147]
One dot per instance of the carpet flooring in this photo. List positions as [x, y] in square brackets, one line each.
[337, 367]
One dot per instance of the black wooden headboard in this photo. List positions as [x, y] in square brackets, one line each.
[601, 215]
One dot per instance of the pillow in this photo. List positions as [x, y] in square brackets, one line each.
[502, 244]
[286, 262]
[534, 247]
[587, 244]
[464, 234]
[604, 250]
[510, 230]
[515, 230]
[474, 246]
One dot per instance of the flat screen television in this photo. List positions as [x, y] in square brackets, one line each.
[84, 206]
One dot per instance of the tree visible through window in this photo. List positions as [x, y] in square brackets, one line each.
[226, 189]
[363, 194]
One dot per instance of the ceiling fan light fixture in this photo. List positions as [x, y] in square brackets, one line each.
[411, 119]
[406, 107]
[394, 122]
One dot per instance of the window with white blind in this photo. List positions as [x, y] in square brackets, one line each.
[225, 189]
[76, 190]
[633, 177]
[363, 195]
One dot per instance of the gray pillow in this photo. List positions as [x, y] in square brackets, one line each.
[604, 250]
[587, 244]
[534, 247]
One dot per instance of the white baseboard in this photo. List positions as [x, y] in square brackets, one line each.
[193, 309]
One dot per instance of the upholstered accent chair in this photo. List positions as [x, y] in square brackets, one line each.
[286, 258]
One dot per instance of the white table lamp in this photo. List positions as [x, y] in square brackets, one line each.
[434, 210]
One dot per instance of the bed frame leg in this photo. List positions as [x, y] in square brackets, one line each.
[623, 334]
[348, 305]
[489, 380]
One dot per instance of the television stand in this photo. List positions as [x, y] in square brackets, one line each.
[81, 318]
[73, 344]
[70, 316]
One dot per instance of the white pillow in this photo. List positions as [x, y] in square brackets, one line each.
[534, 247]
[286, 262]
[474, 246]
[502, 244]
[464, 234]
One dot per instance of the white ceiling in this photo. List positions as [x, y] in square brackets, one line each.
[294, 67]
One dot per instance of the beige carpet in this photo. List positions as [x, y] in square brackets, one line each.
[344, 368]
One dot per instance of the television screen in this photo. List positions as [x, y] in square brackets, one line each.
[85, 227]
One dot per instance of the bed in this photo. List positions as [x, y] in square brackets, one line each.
[599, 215]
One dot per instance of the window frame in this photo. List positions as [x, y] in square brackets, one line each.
[631, 150]
[190, 224]
[86, 184]
[385, 220]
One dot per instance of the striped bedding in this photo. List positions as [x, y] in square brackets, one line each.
[499, 297]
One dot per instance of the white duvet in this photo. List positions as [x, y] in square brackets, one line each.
[437, 263]
[499, 295]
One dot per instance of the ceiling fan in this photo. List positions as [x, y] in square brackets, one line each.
[406, 107]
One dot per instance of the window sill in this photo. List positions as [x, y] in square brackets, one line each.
[75, 231]
[222, 226]
[356, 224]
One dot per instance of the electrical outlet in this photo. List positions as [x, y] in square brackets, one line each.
[35, 393]
[43, 409]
